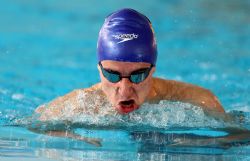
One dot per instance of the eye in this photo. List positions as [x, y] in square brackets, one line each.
[113, 78]
[110, 76]
[140, 71]
[111, 71]
[137, 78]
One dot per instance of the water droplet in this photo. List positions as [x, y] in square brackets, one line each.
[17, 96]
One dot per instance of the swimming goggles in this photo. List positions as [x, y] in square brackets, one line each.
[135, 77]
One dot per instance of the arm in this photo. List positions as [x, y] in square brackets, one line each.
[221, 142]
[54, 109]
[59, 108]
[184, 92]
[69, 134]
[72, 135]
[65, 106]
[235, 137]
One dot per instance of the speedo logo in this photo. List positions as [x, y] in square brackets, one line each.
[125, 37]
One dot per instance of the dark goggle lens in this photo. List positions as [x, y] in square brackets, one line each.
[137, 78]
[112, 77]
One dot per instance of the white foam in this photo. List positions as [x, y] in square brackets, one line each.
[163, 115]
[93, 109]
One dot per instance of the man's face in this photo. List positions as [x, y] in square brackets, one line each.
[124, 95]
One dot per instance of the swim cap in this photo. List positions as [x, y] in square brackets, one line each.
[127, 36]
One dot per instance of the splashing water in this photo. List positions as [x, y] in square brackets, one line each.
[164, 115]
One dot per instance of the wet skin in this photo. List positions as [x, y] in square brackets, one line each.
[126, 96]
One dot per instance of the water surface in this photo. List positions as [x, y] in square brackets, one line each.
[47, 49]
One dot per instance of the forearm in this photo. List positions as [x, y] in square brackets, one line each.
[60, 107]
[69, 134]
[72, 135]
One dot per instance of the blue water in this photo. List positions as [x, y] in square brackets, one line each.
[47, 49]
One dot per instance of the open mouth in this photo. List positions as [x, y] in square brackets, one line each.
[127, 106]
[127, 103]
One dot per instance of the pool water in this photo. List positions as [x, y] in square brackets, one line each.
[47, 49]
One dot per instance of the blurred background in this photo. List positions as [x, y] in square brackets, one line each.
[48, 47]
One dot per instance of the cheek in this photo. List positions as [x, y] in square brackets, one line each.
[143, 89]
[107, 87]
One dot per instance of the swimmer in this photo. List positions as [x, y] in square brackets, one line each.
[127, 54]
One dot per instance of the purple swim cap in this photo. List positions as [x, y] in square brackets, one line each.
[127, 36]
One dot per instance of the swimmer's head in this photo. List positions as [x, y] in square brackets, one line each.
[127, 55]
[127, 36]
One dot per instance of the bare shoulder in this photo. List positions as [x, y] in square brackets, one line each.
[175, 87]
[70, 103]
[186, 92]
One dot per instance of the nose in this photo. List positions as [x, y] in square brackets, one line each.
[125, 88]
